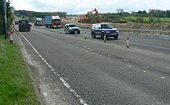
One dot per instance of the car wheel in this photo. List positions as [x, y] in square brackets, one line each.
[115, 37]
[93, 35]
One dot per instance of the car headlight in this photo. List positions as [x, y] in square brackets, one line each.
[117, 31]
[70, 29]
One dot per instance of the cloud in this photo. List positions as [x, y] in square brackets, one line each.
[82, 6]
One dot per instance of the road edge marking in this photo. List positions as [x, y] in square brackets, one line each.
[81, 100]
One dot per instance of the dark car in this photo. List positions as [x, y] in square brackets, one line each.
[71, 29]
[101, 29]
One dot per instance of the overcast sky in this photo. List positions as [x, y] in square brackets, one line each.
[82, 6]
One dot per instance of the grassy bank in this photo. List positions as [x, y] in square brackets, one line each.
[15, 84]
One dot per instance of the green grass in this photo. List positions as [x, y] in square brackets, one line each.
[15, 84]
[146, 19]
[165, 19]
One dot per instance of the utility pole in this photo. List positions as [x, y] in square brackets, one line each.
[5, 19]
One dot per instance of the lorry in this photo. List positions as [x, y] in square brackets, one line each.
[38, 22]
[52, 21]
[24, 25]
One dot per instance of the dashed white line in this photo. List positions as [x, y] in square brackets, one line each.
[129, 66]
[82, 101]
[44, 93]
[163, 77]
[125, 60]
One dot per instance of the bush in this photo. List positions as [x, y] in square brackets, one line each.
[151, 19]
[140, 19]
[1, 25]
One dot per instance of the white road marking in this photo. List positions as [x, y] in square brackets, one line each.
[125, 60]
[45, 94]
[144, 71]
[82, 101]
[129, 66]
[53, 70]
[163, 77]
[65, 83]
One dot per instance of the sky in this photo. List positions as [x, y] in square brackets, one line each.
[82, 6]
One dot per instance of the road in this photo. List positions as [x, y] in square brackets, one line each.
[98, 73]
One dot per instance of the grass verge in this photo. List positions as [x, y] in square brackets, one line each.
[15, 83]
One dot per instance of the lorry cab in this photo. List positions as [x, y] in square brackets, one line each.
[24, 25]
[52, 21]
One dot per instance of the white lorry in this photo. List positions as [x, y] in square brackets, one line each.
[38, 22]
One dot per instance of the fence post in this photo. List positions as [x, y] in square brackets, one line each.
[85, 36]
[76, 33]
[127, 41]
[105, 37]
[10, 37]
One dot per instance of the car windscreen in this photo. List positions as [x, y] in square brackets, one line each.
[106, 26]
[23, 21]
[72, 26]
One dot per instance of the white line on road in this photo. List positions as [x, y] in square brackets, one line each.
[130, 66]
[45, 94]
[163, 77]
[82, 101]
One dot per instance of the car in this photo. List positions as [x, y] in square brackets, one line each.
[101, 29]
[71, 28]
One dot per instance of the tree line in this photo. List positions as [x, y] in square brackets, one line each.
[153, 15]
[10, 16]
[31, 15]
[119, 16]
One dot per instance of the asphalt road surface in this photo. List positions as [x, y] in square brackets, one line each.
[99, 73]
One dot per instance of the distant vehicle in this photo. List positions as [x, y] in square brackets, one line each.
[24, 25]
[100, 29]
[71, 28]
[52, 21]
[38, 22]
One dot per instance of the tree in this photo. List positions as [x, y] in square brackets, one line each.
[140, 19]
[2, 17]
[10, 15]
[120, 11]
